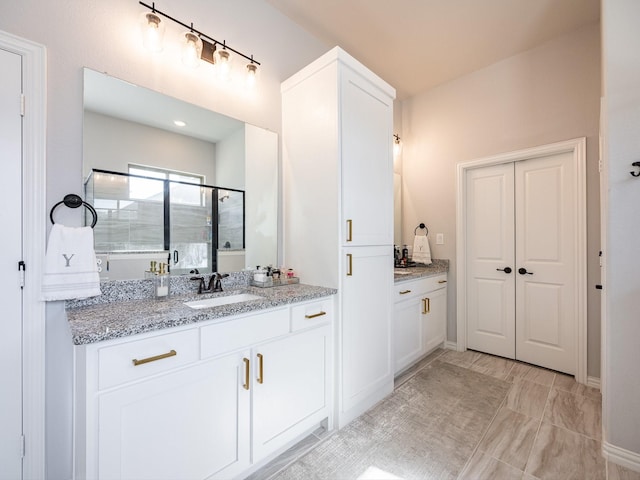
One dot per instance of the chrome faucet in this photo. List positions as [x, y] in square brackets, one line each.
[215, 283]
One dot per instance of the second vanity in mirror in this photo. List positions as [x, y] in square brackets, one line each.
[140, 148]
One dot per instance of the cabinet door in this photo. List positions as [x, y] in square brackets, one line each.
[407, 333]
[434, 312]
[193, 423]
[367, 168]
[291, 391]
[365, 326]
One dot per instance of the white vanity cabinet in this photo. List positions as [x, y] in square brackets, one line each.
[338, 212]
[210, 401]
[419, 319]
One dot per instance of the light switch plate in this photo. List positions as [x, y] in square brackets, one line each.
[439, 238]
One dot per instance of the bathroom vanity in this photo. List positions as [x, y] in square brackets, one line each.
[200, 393]
[419, 312]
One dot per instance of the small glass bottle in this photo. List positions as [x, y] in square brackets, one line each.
[161, 282]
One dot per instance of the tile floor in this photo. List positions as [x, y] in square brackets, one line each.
[464, 415]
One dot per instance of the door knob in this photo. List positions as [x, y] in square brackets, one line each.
[523, 271]
[505, 269]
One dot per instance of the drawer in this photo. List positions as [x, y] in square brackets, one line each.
[411, 288]
[243, 332]
[311, 314]
[140, 358]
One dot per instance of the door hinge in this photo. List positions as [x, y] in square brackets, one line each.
[24, 446]
[22, 267]
[22, 104]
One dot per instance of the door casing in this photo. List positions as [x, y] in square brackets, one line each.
[577, 147]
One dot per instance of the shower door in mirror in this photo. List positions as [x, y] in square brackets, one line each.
[191, 224]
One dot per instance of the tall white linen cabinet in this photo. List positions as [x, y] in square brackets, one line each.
[337, 128]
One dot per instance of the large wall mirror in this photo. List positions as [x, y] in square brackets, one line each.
[132, 132]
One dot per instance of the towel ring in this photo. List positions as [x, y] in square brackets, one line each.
[72, 200]
[422, 226]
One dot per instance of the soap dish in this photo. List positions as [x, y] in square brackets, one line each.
[275, 282]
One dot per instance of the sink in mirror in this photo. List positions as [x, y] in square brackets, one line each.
[219, 301]
[130, 129]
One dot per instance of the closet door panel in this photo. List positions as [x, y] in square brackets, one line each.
[490, 253]
[546, 316]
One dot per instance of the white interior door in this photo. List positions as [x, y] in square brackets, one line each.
[490, 260]
[11, 247]
[521, 226]
[546, 316]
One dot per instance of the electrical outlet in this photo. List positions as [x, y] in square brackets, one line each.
[439, 238]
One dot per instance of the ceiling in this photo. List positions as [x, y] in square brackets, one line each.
[417, 44]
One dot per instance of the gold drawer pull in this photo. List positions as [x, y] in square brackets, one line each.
[404, 292]
[349, 264]
[260, 373]
[315, 315]
[137, 362]
[245, 385]
[349, 230]
[442, 281]
[426, 305]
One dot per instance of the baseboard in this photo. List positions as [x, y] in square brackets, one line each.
[450, 345]
[622, 457]
[593, 382]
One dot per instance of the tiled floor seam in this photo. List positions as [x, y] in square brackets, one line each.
[485, 432]
[546, 404]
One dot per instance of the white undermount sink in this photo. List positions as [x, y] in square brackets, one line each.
[218, 301]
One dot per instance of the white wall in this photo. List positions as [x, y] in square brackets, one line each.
[261, 198]
[621, 346]
[104, 36]
[230, 161]
[113, 143]
[541, 96]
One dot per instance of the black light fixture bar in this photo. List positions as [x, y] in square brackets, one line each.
[215, 42]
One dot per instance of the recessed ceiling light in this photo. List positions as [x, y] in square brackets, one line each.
[179, 123]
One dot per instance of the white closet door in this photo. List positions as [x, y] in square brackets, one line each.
[490, 256]
[546, 317]
[11, 245]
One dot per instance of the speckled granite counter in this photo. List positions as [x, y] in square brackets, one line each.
[411, 273]
[104, 321]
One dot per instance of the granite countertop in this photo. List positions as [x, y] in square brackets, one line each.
[411, 273]
[106, 321]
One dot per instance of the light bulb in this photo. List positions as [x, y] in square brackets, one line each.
[397, 146]
[252, 73]
[223, 63]
[191, 50]
[152, 28]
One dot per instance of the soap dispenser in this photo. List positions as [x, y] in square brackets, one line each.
[161, 282]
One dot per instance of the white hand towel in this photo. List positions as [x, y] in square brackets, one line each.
[70, 268]
[421, 250]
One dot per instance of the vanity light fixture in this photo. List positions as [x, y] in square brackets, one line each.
[397, 145]
[152, 30]
[197, 46]
[252, 73]
[223, 63]
[191, 49]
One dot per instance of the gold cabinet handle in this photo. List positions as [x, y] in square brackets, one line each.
[260, 373]
[349, 264]
[349, 230]
[171, 353]
[426, 305]
[442, 281]
[315, 315]
[404, 292]
[245, 385]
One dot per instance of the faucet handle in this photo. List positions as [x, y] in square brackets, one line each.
[201, 284]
